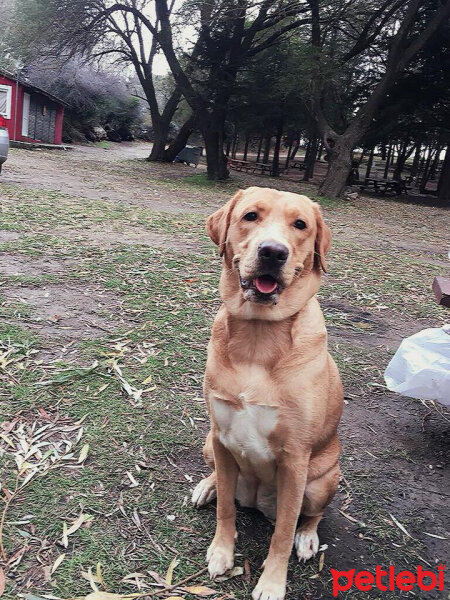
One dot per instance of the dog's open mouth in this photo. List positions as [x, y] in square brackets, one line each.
[265, 284]
[264, 288]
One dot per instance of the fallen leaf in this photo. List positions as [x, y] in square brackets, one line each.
[349, 517]
[169, 574]
[7, 440]
[134, 483]
[76, 525]
[56, 564]
[157, 577]
[47, 573]
[2, 581]
[89, 576]
[92, 580]
[439, 537]
[199, 590]
[400, 526]
[235, 572]
[321, 561]
[133, 576]
[45, 414]
[103, 596]
[247, 572]
[84, 453]
[102, 388]
[65, 539]
[100, 579]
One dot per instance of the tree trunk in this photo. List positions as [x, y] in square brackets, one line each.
[401, 159]
[267, 149]
[370, 162]
[247, 142]
[307, 149]
[320, 151]
[288, 155]
[235, 144]
[180, 141]
[388, 162]
[416, 160]
[434, 164]
[276, 150]
[212, 127]
[295, 149]
[160, 135]
[310, 159]
[426, 172]
[444, 181]
[160, 121]
[339, 166]
[259, 148]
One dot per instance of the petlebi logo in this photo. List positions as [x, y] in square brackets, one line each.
[388, 580]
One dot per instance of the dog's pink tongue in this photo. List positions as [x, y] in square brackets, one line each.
[265, 284]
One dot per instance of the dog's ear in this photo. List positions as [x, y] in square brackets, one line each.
[323, 239]
[218, 223]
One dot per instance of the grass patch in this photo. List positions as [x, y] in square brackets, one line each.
[103, 144]
[144, 456]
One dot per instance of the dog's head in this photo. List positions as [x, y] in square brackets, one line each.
[274, 244]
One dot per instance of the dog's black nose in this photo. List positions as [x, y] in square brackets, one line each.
[273, 252]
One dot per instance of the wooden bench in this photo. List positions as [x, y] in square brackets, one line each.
[296, 164]
[383, 186]
[250, 167]
[263, 168]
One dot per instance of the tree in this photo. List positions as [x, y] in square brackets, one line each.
[266, 102]
[402, 28]
[95, 97]
[95, 29]
[230, 32]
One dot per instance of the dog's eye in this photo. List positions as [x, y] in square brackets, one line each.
[299, 224]
[250, 216]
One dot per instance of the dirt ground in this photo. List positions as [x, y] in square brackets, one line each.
[104, 258]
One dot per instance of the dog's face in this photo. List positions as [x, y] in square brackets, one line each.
[274, 245]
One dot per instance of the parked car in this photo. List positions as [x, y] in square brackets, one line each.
[4, 142]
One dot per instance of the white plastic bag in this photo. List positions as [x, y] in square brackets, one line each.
[421, 366]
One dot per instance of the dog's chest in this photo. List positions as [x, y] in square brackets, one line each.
[245, 430]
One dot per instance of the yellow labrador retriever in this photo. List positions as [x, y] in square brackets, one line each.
[273, 392]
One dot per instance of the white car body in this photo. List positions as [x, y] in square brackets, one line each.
[4, 145]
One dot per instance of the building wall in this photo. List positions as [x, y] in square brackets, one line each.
[42, 124]
[10, 122]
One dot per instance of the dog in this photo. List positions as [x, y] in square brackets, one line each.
[273, 391]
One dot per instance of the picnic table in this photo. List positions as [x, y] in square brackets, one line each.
[383, 186]
[296, 164]
[250, 167]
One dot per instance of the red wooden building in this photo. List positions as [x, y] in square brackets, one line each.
[31, 114]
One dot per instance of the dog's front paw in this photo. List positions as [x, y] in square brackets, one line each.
[204, 492]
[306, 544]
[220, 558]
[267, 589]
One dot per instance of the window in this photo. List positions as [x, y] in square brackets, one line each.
[5, 101]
